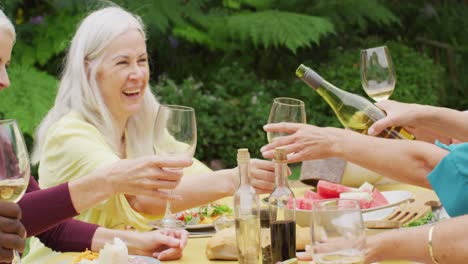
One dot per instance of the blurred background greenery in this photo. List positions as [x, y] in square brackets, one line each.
[230, 58]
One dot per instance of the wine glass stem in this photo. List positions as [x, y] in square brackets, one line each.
[168, 213]
[16, 257]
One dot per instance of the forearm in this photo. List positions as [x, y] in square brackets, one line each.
[41, 210]
[88, 191]
[402, 160]
[448, 242]
[71, 235]
[195, 190]
[445, 121]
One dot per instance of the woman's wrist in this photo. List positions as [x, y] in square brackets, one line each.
[336, 137]
[378, 247]
[423, 115]
[232, 184]
[99, 186]
[101, 237]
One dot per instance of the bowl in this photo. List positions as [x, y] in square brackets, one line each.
[303, 217]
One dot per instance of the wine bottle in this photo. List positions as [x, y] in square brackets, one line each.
[354, 111]
[282, 207]
[247, 214]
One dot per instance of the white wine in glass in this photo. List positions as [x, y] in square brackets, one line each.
[285, 109]
[378, 76]
[175, 134]
[14, 166]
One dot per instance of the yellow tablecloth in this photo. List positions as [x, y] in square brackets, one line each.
[195, 250]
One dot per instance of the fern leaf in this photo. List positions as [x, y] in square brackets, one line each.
[258, 4]
[278, 28]
[354, 12]
[28, 99]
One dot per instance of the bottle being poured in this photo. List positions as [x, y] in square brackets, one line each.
[354, 111]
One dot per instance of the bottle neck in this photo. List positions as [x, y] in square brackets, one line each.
[244, 173]
[281, 174]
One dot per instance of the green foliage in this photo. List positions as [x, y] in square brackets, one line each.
[231, 109]
[233, 104]
[39, 43]
[351, 13]
[29, 98]
[413, 84]
[277, 28]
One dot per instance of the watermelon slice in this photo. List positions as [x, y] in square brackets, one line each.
[329, 190]
[378, 199]
[312, 195]
[364, 198]
[304, 204]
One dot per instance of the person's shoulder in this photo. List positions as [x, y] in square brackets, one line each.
[72, 123]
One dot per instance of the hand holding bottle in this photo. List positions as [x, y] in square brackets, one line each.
[398, 114]
[409, 116]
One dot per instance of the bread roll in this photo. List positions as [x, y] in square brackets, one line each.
[223, 244]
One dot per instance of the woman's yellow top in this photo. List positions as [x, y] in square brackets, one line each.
[74, 148]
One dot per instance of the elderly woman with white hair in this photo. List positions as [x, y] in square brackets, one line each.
[104, 112]
[47, 213]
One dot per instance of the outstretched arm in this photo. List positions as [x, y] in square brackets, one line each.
[449, 239]
[201, 188]
[403, 160]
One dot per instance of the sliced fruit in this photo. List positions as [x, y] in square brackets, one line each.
[364, 198]
[309, 194]
[329, 190]
[378, 199]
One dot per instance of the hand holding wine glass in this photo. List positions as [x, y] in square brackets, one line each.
[285, 109]
[378, 76]
[175, 134]
[14, 166]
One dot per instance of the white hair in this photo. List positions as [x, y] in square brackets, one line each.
[6, 25]
[78, 88]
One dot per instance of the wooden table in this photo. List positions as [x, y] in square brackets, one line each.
[195, 250]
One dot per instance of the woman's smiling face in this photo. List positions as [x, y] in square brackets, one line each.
[6, 45]
[123, 74]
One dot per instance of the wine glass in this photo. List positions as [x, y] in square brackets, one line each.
[337, 232]
[14, 166]
[378, 76]
[285, 109]
[175, 134]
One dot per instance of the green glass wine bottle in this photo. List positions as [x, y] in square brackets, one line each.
[354, 111]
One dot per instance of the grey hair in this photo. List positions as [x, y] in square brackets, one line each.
[78, 88]
[5, 24]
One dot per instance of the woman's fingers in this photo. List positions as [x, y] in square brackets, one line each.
[289, 148]
[170, 161]
[169, 254]
[263, 186]
[284, 127]
[278, 142]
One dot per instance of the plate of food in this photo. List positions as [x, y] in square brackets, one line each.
[374, 204]
[203, 217]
